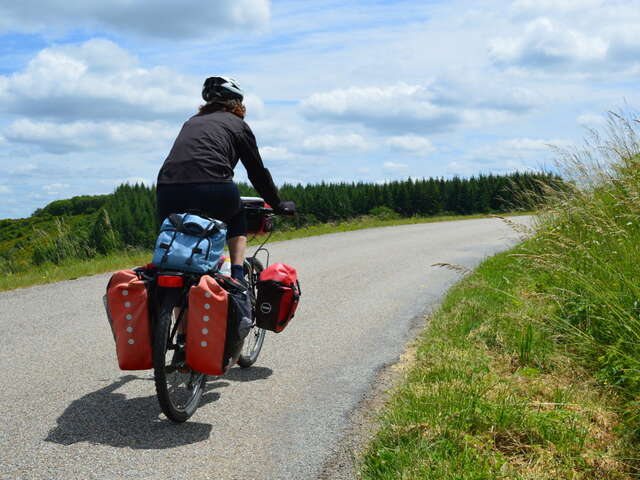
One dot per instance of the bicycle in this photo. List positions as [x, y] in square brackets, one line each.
[179, 388]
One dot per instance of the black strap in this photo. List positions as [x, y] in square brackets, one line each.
[182, 225]
[229, 283]
[194, 250]
[204, 232]
[166, 253]
[208, 247]
[176, 221]
[211, 229]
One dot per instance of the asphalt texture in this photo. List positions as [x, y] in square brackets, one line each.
[70, 413]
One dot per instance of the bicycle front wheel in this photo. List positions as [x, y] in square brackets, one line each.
[255, 339]
[179, 388]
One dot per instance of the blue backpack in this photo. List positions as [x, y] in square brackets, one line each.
[189, 243]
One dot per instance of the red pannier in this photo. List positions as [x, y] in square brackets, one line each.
[259, 222]
[207, 327]
[278, 297]
[127, 307]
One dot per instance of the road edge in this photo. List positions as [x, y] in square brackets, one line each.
[362, 421]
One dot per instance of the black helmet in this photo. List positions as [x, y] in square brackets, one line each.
[221, 89]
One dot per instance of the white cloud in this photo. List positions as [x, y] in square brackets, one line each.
[96, 80]
[275, 154]
[438, 107]
[397, 107]
[21, 168]
[394, 166]
[590, 37]
[531, 144]
[4, 189]
[508, 155]
[466, 168]
[276, 128]
[411, 143]
[537, 7]
[484, 118]
[412, 68]
[546, 43]
[255, 106]
[533, 149]
[56, 188]
[156, 18]
[591, 120]
[66, 137]
[335, 143]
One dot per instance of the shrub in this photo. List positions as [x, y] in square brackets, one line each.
[384, 213]
[62, 244]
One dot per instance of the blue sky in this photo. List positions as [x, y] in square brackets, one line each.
[93, 95]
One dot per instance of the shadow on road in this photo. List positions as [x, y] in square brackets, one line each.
[107, 417]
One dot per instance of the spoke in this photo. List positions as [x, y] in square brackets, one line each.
[180, 385]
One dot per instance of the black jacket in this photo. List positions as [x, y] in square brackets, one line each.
[207, 150]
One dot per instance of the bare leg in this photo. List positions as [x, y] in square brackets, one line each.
[237, 248]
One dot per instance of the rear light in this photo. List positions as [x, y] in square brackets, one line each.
[170, 281]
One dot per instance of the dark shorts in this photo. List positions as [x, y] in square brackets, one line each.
[216, 200]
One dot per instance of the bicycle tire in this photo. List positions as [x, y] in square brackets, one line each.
[177, 406]
[255, 340]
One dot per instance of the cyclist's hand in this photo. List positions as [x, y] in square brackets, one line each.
[286, 208]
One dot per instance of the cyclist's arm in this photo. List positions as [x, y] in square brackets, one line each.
[259, 176]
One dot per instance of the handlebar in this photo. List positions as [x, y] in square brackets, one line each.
[259, 209]
[269, 211]
[259, 206]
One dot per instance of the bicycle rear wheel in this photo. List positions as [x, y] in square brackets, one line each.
[254, 341]
[179, 389]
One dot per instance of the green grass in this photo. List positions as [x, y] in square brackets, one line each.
[493, 395]
[531, 367]
[16, 237]
[50, 273]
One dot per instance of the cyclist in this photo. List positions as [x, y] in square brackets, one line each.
[198, 173]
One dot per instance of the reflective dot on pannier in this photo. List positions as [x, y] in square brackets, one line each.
[131, 341]
[208, 294]
[127, 304]
[129, 329]
[125, 292]
[205, 318]
[128, 316]
[205, 331]
[203, 344]
[207, 306]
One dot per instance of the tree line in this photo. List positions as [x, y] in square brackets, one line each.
[127, 217]
[327, 202]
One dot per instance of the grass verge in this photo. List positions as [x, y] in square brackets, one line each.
[50, 273]
[531, 369]
[493, 394]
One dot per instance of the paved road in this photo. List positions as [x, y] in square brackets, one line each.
[69, 413]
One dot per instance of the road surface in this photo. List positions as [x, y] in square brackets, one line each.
[70, 413]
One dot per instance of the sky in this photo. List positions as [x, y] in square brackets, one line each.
[92, 94]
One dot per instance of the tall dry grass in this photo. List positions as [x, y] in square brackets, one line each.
[502, 384]
[586, 254]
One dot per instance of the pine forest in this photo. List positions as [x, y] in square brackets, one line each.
[86, 226]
